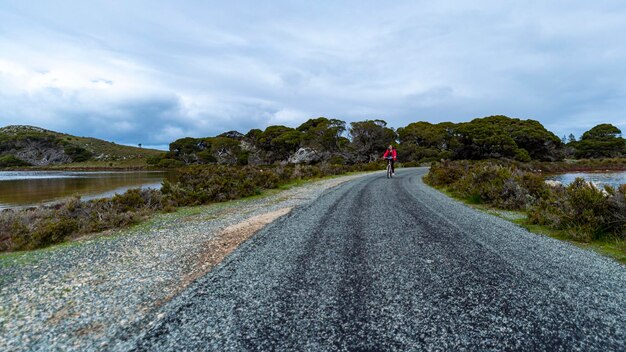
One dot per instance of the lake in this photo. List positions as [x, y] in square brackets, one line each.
[31, 188]
[602, 178]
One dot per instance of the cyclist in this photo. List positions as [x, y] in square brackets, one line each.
[391, 155]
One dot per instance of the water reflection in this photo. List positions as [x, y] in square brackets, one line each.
[28, 188]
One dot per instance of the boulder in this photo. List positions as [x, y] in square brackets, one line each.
[304, 156]
[553, 183]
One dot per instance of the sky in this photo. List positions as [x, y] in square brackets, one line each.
[153, 71]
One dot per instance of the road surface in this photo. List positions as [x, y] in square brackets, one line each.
[378, 264]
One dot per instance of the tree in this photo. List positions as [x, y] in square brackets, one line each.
[504, 137]
[482, 139]
[185, 149]
[225, 150]
[571, 138]
[274, 144]
[423, 141]
[603, 140]
[322, 134]
[370, 138]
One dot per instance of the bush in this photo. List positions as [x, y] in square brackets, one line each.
[447, 173]
[52, 231]
[46, 225]
[583, 211]
[170, 163]
[11, 160]
[77, 153]
[155, 159]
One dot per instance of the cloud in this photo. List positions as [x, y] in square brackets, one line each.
[118, 72]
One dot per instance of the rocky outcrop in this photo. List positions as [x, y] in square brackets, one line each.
[305, 156]
[33, 145]
[37, 152]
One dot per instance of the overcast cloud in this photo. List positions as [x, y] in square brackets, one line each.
[150, 72]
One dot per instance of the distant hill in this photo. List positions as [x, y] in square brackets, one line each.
[34, 146]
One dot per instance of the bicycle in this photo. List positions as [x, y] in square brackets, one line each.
[389, 169]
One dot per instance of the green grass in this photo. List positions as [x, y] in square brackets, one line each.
[615, 249]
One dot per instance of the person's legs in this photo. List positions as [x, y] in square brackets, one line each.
[393, 169]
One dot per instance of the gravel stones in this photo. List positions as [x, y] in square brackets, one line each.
[95, 294]
[381, 264]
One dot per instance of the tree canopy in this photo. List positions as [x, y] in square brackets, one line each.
[332, 140]
[603, 140]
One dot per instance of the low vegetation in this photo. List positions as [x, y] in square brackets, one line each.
[580, 211]
[46, 225]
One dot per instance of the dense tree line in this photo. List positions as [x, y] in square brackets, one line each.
[334, 141]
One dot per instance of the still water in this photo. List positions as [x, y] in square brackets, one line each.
[31, 188]
[602, 178]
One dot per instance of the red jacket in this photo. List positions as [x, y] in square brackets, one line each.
[393, 154]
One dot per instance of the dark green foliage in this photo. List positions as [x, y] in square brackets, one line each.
[225, 150]
[77, 153]
[323, 134]
[484, 138]
[423, 141]
[155, 159]
[601, 141]
[504, 137]
[185, 149]
[53, 231]
[170, 163]
[35, 145]
[493, 137]
[11, 161]
[278, 143]
[242, 159]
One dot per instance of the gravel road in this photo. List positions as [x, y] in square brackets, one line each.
[94, 294]
[380, 264]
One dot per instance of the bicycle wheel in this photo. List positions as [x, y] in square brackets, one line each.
[388, 170]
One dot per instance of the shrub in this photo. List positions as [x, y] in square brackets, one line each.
[52, 231]
[155, 159]
[583, 211]
[11, 160]
[77, 153]
[447, 173]
[198, 184]
[170, 163]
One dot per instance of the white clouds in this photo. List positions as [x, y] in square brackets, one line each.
[120, 72]
[288, 116]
